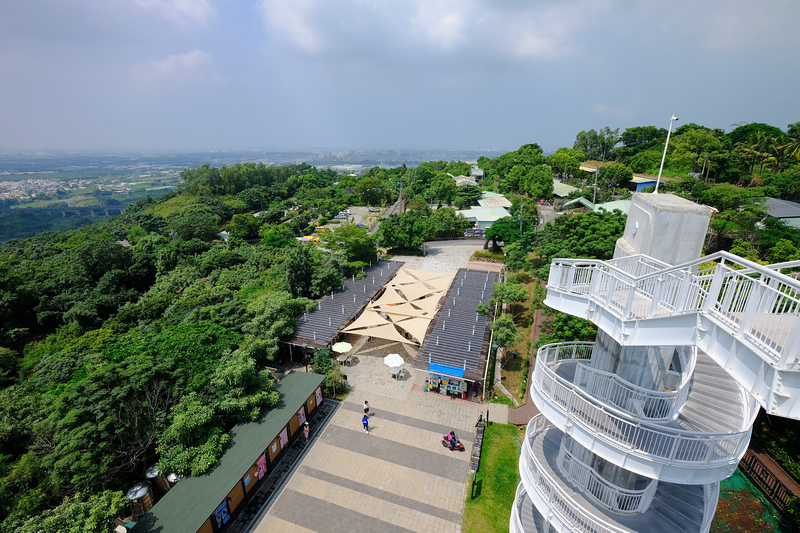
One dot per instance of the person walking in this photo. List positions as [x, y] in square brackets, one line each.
[365, 421]
[306, 431]
[366, 407]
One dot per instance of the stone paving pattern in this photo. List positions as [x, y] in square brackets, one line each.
[396, 478]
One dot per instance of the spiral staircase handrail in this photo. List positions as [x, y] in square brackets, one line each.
[619, 391]
[640, 437]
[599, 489]
[559, 502]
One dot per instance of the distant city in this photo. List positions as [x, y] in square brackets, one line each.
[64, 162]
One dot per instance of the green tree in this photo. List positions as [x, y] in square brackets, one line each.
[194, 439]
[408, 230]
[516, 256]
[354, 242]
[76, 515]
[639, 139]
[299, 267]
[692, 149]
[505, 332]
[563, 163]
[195, 222]
[373, 191]
[505, 229]
[276, 236]
[244, 226]
[467, 195]
[615, 174]
[445, 222]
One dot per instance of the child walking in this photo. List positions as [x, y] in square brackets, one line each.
[365, 421]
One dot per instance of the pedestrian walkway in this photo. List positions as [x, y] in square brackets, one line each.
[397, 478]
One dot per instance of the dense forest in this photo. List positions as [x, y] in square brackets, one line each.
[144, 338]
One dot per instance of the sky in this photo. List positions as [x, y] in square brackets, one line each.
[385, 74]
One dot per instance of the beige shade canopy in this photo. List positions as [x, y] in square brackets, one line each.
[367, 319]
[417, 327]
[407, 305]
[389, 296]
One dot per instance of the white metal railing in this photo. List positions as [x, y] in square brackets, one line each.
[605, 493]
[637, 401]
[710, 501]
[657, 443]
[638, 265]
[760, 304]
[549, 490]
[516, 519]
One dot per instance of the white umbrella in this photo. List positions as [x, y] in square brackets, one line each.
[342, 347]
[393, 360]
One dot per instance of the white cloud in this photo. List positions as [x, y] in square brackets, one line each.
[443, 22]
[174, 69]
[181, 11]
[294, 20]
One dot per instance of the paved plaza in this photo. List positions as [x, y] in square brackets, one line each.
[398, 477]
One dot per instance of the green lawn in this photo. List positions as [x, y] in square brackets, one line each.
[489, 504]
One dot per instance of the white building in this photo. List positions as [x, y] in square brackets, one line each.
[638, 428]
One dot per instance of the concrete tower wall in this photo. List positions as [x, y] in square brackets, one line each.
[664, 226]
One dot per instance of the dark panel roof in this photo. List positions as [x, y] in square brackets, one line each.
[319, 326]
[187, 506]
[782, 208]
[459, 336]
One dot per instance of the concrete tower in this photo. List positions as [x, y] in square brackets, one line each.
[638, 428]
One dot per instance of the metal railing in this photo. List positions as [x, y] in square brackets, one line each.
[775, 490]
[638, 265]
[605, 493]
[637, 401]
[516, 519]
[710, 501]
[760, 304]
[550, 490]
[657, 443]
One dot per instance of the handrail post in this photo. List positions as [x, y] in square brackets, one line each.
[791, 347]
[656, 297]
[571, 279]
[754, 297]
[714, 289]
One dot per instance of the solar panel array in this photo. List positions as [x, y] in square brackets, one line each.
[319, 326]
[459, 336]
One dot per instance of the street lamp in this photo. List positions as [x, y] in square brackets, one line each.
[671, 120]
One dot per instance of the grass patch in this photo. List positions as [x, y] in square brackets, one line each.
[488, 255]
[178, 203]
[501, 399]
[488, 508]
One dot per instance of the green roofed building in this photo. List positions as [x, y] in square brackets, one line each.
[209, 503]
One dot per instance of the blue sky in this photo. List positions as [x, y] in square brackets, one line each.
[380, 74]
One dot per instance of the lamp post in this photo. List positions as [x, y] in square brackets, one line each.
[671, 120]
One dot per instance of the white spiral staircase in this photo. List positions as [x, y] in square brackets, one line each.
[607, 455]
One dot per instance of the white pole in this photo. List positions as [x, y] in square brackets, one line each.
[663, 157]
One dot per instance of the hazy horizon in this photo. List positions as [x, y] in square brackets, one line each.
[235, 75]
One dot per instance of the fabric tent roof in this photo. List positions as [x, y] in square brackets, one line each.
[389, 296]
[415, 291]
[387, 331]
[367, 319]
[415, 326]
[408, 304]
